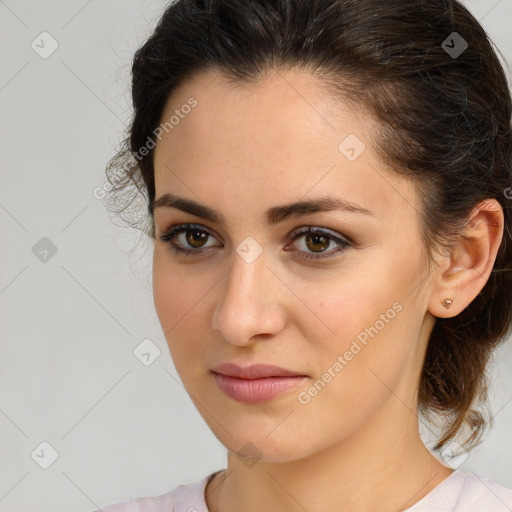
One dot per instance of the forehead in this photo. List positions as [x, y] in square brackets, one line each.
[284, 107]
[273, 142]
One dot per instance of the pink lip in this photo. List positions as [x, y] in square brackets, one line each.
[254, 371]
[255, 383]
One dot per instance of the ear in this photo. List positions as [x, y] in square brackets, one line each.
[464, 268]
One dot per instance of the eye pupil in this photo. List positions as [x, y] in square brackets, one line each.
[196, 236]
[314, 238]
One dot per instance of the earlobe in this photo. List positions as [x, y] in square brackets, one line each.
[468, 263]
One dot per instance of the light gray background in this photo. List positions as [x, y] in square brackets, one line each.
[69, 326]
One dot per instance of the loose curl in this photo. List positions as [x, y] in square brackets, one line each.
[444, 121]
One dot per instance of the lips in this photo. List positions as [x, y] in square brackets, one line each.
[255, 371]
[256, 383]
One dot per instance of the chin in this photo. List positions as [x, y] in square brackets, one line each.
[258, 443]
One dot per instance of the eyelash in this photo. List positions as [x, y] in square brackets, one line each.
[174, 231]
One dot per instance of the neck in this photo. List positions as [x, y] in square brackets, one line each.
[384, 468]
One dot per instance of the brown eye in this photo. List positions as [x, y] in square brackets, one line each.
[188, 239]
[191, 239]
[317, 242]
[311, 243]
[196, 238]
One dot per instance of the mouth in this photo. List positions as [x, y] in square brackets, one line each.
[256, 383]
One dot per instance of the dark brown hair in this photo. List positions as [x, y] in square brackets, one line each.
[444, 120]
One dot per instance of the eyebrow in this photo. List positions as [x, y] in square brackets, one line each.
[274, 215]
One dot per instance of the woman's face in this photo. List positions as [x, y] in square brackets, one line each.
[352, 320]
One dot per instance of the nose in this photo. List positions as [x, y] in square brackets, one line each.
[251, 303]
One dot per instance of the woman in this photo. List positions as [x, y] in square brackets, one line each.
[327, 187]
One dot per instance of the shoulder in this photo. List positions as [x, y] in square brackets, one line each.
[143, 504]
[483, 495]
[177, 500]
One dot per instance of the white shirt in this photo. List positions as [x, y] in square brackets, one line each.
[460, 492]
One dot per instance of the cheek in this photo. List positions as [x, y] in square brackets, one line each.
[165, 282]
[176, 290]
[376, 338]
[182, 305]
[367, 301]
[341, 308]
[176, 301]
[365, 336]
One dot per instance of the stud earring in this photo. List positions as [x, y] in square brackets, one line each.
[447, 303]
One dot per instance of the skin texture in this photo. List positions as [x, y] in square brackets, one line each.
[355, 445]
